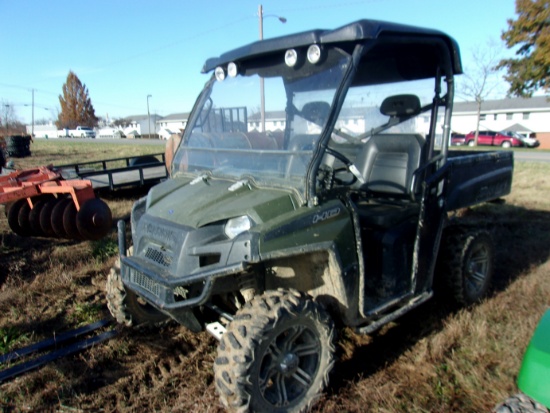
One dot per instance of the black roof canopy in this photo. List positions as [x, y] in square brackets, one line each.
[354, 32]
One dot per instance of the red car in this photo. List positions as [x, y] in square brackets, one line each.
[458, 139]
[492, 139]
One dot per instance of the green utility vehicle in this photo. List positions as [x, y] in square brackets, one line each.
[313, 189]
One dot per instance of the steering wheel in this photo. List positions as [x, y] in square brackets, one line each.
[349, 167]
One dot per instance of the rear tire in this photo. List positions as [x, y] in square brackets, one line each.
[465, 265]
[276, 354]
[520, 403]
[125, 306]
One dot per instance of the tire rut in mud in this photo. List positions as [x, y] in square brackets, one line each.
[159, 374]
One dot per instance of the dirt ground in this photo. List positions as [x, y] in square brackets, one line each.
[48, 286]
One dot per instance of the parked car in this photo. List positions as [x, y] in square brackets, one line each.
[534, 375]
[529, 142]
[458, 139]
[492, 138]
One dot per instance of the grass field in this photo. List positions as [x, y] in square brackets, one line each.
[435, 359]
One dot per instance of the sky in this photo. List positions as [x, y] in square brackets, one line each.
[125, 50]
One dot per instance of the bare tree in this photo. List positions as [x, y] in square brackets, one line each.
[8, 118]
[122, 122]
[42, 121]
[483, 77]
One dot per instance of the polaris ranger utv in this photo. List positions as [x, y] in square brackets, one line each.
[328, 206]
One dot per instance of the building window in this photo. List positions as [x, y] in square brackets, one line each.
[509, 116]
[525, 115]
[483, 116]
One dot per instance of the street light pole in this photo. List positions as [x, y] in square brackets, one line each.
[149, 115]
[262, 86]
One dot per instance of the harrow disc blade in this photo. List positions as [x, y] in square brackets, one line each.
[34, 216]
[45, 218]
[94, 220]
[23, 219]
[13, 217]
[57, 217]
[69, 221]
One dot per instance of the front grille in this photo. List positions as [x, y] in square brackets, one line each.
[158, 257]
[146, 283]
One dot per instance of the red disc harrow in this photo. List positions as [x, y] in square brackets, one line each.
[40, 202]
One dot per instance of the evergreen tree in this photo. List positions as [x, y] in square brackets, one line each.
[76, 105]
[530, 32]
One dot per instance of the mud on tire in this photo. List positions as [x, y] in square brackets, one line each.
[465, 265]
[125, 306]
[276, 354]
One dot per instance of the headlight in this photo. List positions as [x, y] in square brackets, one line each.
[219, 73]
[314, 53]
[232, 69]
[291, 57]
[236, 226]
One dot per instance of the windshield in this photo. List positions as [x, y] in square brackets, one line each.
[231, 136]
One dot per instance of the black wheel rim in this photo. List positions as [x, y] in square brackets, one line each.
[477, 269]
[289, 365]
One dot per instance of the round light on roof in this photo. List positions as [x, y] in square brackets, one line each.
[291, 57]
[314, 53]
[232, 69]
[219, 73]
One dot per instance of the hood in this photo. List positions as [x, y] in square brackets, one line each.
[204, 201]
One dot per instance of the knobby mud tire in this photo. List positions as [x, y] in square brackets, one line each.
[465, 265]
[279, 345]
[125, 306]
[520, 403]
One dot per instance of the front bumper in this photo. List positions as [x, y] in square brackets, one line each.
[174, 273]
[170, 294]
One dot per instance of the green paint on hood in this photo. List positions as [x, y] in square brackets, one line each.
[200, 202]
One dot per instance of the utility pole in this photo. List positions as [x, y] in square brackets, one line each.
[262, 86]
[32, 127]
[149, 115]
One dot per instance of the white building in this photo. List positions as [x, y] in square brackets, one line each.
[43, 131]
[139, 125]
[525, 116]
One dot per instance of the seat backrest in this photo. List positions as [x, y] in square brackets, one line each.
[316, 112]
[387, 163]
[297, 162]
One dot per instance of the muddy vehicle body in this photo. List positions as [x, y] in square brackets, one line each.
[336, 216]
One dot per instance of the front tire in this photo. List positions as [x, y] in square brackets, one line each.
[520, 403]
[506, 144]
[465, 265]
[125, 306]
[276, 354]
